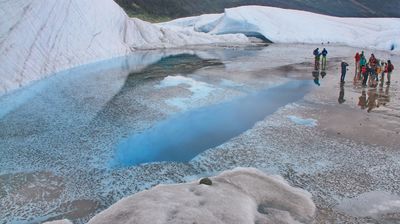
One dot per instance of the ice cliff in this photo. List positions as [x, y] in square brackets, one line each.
[40, 37]
[293, 26]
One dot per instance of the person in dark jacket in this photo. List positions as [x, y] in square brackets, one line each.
[324, 53]
[344, 69]
[317, 56]
[389, 69]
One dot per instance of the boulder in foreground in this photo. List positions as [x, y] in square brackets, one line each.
[243, 195]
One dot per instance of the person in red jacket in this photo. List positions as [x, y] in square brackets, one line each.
[358, 68]
[389, 69]
[365, 75]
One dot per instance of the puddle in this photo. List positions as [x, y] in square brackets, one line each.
[186, 135]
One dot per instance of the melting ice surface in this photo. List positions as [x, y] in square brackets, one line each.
[58, 133]
[185, 135]
[309, 122]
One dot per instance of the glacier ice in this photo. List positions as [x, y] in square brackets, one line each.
[294, 26]
[38, 38]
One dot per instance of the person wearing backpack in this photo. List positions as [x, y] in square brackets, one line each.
[317, 56]
[389, 69]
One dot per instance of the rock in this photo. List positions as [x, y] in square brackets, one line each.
[206, 181]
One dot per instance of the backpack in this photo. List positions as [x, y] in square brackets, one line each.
[390, 68]
[316, 52]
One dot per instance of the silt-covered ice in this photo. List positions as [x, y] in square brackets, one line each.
[244, 195]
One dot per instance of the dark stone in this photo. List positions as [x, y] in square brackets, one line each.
[206, 181]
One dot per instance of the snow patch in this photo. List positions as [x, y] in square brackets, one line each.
[64, 221]
[244, 195]
[200, 90]
[305, 122]
[371, 204]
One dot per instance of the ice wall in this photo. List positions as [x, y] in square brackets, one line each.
[294, 26]
[40, 37]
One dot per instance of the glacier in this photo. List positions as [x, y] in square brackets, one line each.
[39, 38]
[293, 26]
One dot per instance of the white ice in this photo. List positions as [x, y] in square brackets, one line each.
[244, 195]
[64, 221]
[199, 90]
[309, 122]
[38, 38]
[371, 204]
[294, 26]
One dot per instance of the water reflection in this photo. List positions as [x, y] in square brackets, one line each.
[315, 74]
[125, 101]
[362, 100]
[374, 97]
[383, 94]
[323, 73]
[372, 100]
[341, 94]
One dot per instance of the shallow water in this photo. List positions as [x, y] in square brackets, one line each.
[183, 136]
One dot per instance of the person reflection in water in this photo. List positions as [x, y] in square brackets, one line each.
[341, 94]
[383, 96]
[372, 100]
[315, 74]
[362, 100]
[323, 74]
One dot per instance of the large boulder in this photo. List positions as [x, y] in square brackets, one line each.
[243, 195]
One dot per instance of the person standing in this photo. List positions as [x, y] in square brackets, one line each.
[358, 68]
[344, 69]
[317, 56]
[324, 54]
[365, 75]
[383, 68]
[363, 61]
[389, 69]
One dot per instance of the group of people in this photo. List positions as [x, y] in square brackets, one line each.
[369, 71]
[365, 71]
[318, 60]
